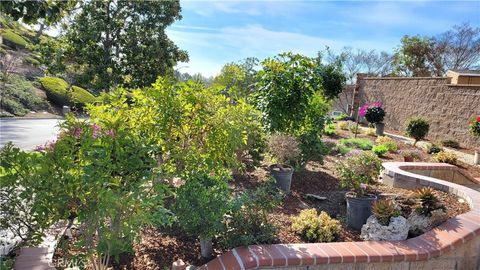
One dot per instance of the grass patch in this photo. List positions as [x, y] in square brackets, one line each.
[363, 144]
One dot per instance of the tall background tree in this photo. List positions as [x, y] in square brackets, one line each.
[121, 42]
[458, 48]
[238, 79]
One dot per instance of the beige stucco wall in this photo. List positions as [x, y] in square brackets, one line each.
[447, 108]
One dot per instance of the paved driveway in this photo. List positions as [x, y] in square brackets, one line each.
[28, 133]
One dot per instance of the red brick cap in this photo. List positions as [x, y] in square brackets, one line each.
[448, 236]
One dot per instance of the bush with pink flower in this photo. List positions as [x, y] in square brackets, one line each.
[373, 112]
[475, 126]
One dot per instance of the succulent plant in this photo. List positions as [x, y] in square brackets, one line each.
[383, 210]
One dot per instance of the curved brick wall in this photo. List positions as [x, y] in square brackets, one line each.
[453, 245]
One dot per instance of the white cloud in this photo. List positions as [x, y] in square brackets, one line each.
[209, 50]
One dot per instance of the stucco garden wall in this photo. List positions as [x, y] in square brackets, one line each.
[447, 108]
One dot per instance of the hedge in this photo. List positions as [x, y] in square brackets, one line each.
[56, 90]
[13, 38]
[81, 96]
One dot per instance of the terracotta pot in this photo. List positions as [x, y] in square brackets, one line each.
[408, 159]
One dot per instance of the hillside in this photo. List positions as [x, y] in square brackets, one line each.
[25, 91]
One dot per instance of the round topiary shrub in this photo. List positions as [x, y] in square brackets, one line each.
[56, 90]
[417, 128]
[81, 96]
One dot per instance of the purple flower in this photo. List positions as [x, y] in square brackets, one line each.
[96, 131]
[51, 145]
[363, 110]
[40, 148]
[77, 132]
[354, 152]
[110, 133]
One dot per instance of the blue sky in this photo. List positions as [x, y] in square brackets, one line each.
[217, 32]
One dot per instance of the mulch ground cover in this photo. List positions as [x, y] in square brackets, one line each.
[160, 247]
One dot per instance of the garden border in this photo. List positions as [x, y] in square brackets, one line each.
[448, 237]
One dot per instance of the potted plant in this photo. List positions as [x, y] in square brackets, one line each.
[475, 130]
[410, 155]
[200, 207]
[285, 149]
[355, 172]
[374, 114]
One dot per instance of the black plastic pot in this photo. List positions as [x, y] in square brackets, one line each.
[283, 176]
[358, 210]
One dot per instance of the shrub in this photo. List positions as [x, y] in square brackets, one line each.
[373, 112]
[364, 144]
[14, 107]
[341, 117]
[201, 204]
[410, 153]
[361, 168]
[81, 96]
[14, 39]
[330, 130]
[388, 142]
[433, 149]
[427, 201]
[284, 148]
[19, 90]
[474, 126]
[370, 131]
[450, 143]
[383, 210]
[344, 125]
[247, 221]
[341, 149]
[315, 228]
[32, 61]
[445, 157]
[417, 128]
[380, 150]
[56, 90]
[352, 127]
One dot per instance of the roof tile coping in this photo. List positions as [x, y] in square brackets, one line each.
[446, 237]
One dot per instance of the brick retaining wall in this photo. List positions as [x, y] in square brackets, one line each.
[454, 244]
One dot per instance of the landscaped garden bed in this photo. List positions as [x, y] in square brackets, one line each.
[162, 246]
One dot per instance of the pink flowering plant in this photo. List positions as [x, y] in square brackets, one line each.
[373, 112]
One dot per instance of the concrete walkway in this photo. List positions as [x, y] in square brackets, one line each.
[464, 157]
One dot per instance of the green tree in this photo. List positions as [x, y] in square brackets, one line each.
[415, 57]
[238, 79]
[290, 97]
[115, 42]
[42, 12]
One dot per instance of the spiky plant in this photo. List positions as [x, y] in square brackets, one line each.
[428, 201]
[383, 210]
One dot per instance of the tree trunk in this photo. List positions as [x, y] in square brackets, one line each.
[39, 32]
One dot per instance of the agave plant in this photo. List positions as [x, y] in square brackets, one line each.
[383, 210]
[428, 201]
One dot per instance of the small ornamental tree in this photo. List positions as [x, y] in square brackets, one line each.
[373, 112]
[291, 100]
[200, 206]
[417, 128]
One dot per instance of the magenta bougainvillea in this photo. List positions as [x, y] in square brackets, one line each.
[373, 112]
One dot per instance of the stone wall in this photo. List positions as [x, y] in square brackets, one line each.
[447, 107]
